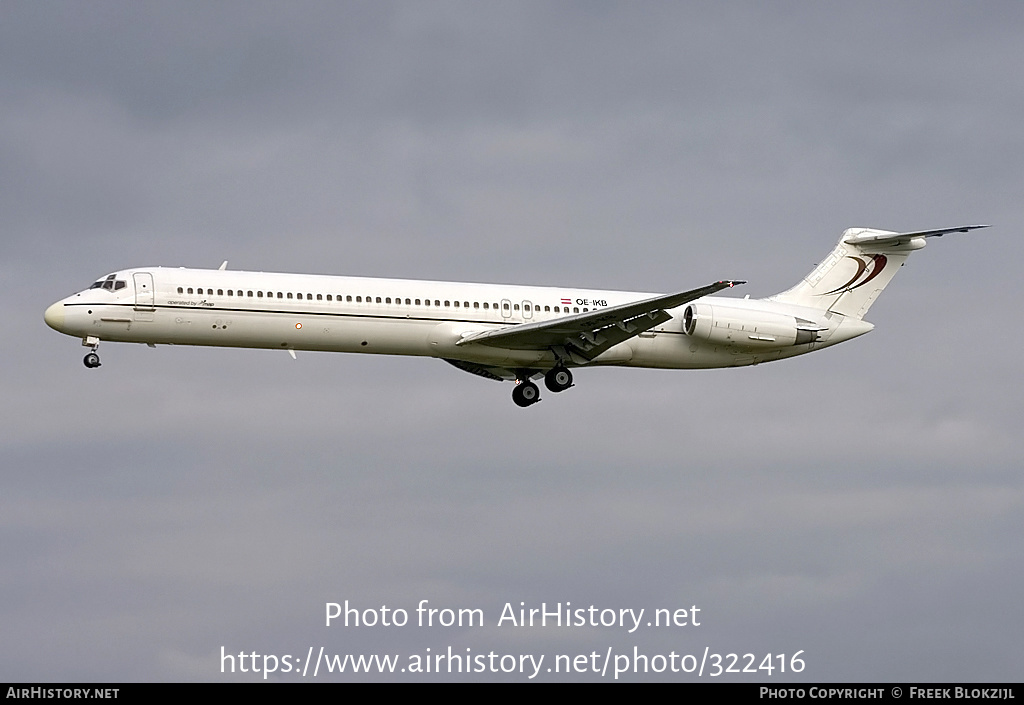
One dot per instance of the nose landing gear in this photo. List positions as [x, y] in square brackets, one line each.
[91, 359]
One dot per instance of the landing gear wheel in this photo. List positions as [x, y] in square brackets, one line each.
[91, 360]
[558, 379]
[525, 394]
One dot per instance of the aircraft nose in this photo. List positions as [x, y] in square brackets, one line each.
[54, 316]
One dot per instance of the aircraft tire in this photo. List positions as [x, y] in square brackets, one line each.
[558, 379]
[91, 360]
[526, 394]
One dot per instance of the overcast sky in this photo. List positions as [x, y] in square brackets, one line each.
[863, 504]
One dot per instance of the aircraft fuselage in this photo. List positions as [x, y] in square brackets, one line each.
[226, 308]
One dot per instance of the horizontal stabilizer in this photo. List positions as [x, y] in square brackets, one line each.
[878, 237]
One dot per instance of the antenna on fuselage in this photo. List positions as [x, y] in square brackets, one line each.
[223, 266]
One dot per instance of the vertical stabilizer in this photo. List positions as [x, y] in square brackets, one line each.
[853, 275]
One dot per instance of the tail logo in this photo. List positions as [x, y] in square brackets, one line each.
[867, 269]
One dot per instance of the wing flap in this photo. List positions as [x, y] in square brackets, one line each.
[589, 345]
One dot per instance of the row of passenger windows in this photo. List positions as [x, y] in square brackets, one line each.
[527, 307]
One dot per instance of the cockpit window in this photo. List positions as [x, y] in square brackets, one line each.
[110, 283]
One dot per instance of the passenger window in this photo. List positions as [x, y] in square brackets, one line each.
[289, 294]
[190, 290]
[485, 305]
[180, 291]
[505, 306]
[220, 292]
[280, 296]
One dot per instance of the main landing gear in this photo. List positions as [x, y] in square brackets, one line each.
[527, 393]
[91, 359]
[558, 379]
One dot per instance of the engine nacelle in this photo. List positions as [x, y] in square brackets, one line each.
[748, 328]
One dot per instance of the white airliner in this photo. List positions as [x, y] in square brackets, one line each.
[501, 332]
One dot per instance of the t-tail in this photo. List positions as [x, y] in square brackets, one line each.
[853, 275]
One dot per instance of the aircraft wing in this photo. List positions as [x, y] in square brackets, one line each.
[584, 336]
